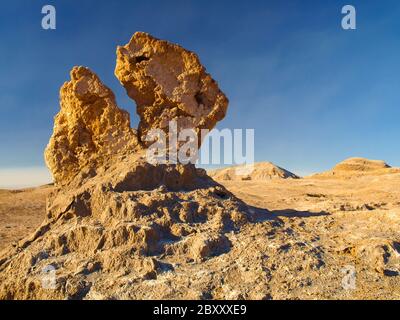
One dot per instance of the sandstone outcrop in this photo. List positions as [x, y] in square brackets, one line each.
[168, 83]
[114, 219]
[90, 131]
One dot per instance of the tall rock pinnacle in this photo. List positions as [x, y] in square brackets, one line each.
[89, 130]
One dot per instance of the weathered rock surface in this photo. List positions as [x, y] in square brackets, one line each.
[90, 131]
[168, 83]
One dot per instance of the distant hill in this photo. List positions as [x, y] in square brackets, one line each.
[261, 171]
[356, 167]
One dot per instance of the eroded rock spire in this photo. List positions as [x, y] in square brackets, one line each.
[90, 129]
[168, 83]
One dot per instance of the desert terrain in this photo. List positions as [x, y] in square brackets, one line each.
[118, 225]
[21, 212]
[310, 231]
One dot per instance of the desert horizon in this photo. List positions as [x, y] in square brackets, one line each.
[41, 175]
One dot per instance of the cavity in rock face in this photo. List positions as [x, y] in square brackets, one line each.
[168, 83]
[89, 131]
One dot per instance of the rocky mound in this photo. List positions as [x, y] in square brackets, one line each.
[121, 224]
[356, 167]
[114, 218]
[261, 171]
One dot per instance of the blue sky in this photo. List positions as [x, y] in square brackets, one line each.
[314, 93]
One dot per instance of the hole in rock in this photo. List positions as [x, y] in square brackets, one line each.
[141, 58]
[200, 98]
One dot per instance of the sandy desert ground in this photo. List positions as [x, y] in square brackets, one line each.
[21, 212]
[325, 238]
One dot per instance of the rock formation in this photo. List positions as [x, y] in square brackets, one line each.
[168, 83]
[357, 167]
[122, 228]
[115, 219]
[90, 131]
[258, 172]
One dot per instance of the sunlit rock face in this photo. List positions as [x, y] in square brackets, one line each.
[168, 83]
[90, 131]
